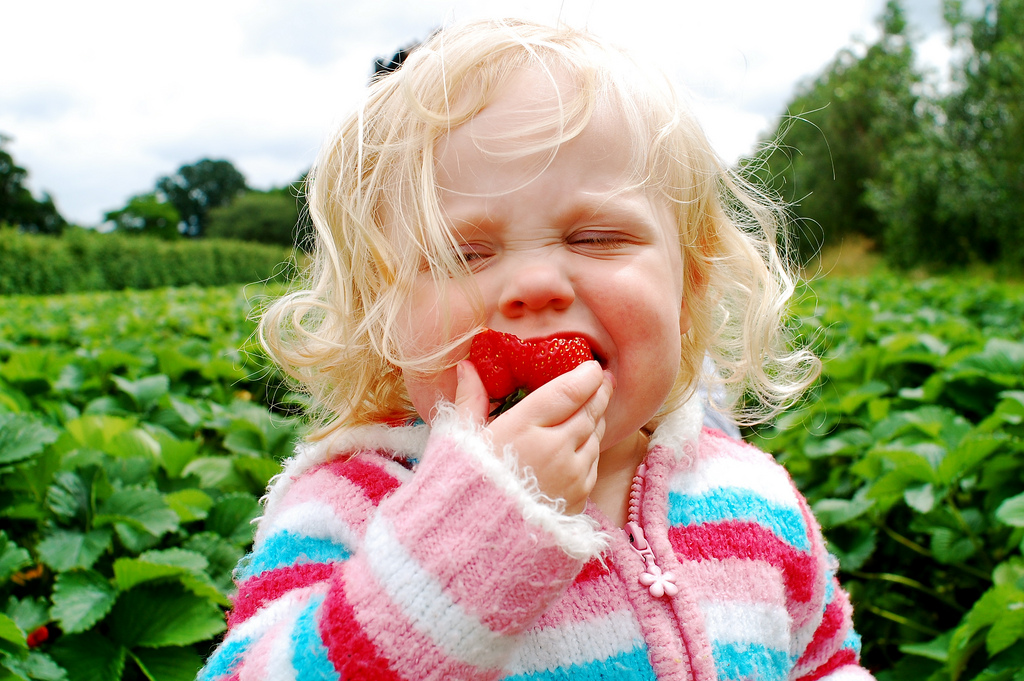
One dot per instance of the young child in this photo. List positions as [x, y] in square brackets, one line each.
[534, 181]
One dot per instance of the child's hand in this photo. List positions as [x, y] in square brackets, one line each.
[556, 430]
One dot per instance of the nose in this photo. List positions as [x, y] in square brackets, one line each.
[535, 285]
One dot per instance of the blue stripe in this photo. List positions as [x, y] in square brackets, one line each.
[719, 505]
[224, 659]
[310, 656]
[629, 666]
[286, 548]
[852, 641]
[741, 661]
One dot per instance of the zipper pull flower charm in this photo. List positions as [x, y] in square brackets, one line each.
[657, 582]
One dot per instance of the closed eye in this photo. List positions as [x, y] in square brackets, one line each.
[474, 255]
[600, 239]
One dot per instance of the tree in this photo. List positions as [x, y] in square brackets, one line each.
[268, 217]
[197, 188]
[18, 206]
[839, 128]
[147, 214]
[953, 194]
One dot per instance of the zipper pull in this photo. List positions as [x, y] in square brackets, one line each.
[657, 582]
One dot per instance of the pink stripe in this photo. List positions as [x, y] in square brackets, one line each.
[595, 593]
[393, 636]
[323, 485]
[733, 579]
[255, 665]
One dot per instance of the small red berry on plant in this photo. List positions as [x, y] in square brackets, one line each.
[38, 636]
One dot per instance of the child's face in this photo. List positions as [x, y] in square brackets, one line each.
[565, 251]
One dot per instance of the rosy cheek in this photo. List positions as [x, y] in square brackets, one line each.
[424, 393]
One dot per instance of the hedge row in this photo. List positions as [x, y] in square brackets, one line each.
[82, 260]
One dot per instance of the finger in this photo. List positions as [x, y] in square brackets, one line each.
[559, 399]
[470, 394]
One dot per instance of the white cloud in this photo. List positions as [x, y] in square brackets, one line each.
[106, 96]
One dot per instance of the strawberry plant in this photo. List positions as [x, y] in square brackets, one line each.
[136, 437]
[911, 450]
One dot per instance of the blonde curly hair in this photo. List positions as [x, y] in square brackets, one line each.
[374, 205]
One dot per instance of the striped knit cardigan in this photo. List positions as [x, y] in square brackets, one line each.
[417, 553]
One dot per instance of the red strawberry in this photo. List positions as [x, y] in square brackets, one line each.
[511, 367]
[37, 637]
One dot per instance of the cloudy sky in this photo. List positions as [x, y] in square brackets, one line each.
[100, 98]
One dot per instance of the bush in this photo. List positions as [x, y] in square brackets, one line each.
[87, 261]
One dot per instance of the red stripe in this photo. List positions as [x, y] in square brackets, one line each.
[269, 585]
[842, 658]
[594, 569]
[831, 624]
[353, 654]
[373, 480]
[737, 539]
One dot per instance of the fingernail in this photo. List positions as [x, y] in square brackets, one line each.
[460, 371]
[611, 377]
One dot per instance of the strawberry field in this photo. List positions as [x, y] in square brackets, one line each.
[136, 436]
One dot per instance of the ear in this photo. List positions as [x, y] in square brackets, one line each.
[684, 318]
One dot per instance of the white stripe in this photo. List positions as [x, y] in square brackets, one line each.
[282, 650]
[770, 482]
[574, 643]
[731, 622]
[317, 520]
[422, 599]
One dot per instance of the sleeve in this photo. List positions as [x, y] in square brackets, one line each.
[366, 571]
[832, 650]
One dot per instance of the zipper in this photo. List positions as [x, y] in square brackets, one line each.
[658, 583]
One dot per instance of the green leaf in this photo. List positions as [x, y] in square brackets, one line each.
[835, 512]
[139, 508]
[1005, 631]
[64, 550]
[848, 442]
[68, 496]
[190, 504]
[134, 443]
[95, 432]
[215, 472]
[80, 599]
[12, 557]
[258, 470]
[22, 437]
[154, 617]
[145, 392]
[175, 454]
[168, 664]
[936, 649]
[11, 632]
[39, 666]
[89, 657]
[29, 613]
[972, 450]
[949, 546]
[920, 498]
[232, 516]
[186, 567]
[1011, 511]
